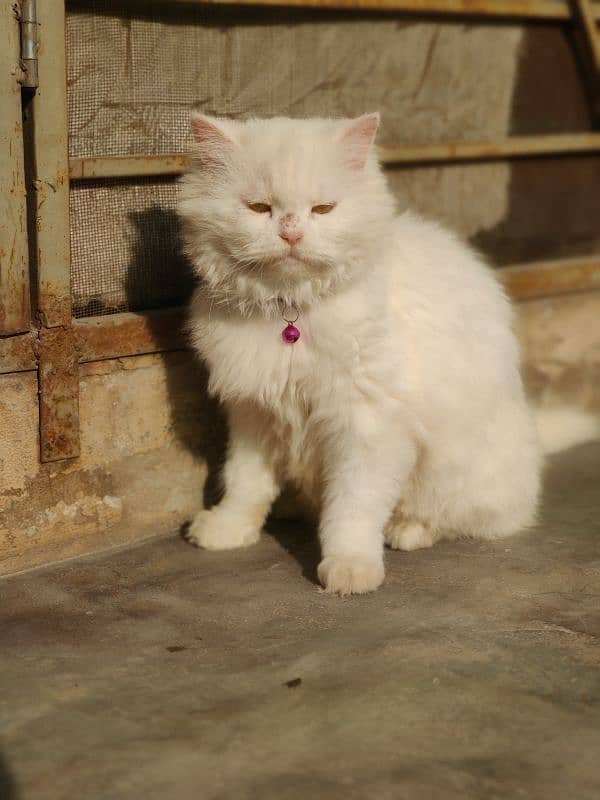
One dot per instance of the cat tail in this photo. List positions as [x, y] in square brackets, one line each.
[565, 426]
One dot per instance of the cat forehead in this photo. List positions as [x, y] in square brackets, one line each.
[290, 156]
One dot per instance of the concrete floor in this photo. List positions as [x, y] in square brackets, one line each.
[162, 671]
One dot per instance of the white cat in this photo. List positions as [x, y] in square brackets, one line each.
[399, 412]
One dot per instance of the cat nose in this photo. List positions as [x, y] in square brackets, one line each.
[291, 237]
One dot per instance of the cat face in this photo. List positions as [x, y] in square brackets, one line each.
[286, 207]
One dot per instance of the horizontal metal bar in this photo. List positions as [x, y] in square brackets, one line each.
[129, 334]
[126, 166]
[546, 278]
[519, 9]
[559, 144]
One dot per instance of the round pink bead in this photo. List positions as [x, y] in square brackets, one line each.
[291, 334]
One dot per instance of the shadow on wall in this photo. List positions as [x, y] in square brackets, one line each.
[8, 785]
[197, 420]
[553, 204]
[158, 270]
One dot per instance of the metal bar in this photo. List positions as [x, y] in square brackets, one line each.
[52, 170]
[586, 13]
[59, 394]
[587, 40]
[15, 313]
[546, 278]
[559, 144]
[132, 334]
[126, 166]
[17, 353]
[406, 154]
[519, 9]
[58, 372]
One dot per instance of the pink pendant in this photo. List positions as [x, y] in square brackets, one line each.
[291, 334]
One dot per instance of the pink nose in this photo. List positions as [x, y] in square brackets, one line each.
[291, 237]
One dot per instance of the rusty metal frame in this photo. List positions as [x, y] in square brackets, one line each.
[60, 344]
[58, 378]
[127, 334]
[58, 381]
[15, 312]
[551, 10]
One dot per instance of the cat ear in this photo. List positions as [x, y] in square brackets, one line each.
[358, 137]
[215, 138]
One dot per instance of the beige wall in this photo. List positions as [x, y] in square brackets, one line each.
[148, 432]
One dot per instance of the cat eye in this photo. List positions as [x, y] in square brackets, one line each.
[323, 208]
[260, 208]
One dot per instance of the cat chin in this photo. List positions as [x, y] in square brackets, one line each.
[292, 270]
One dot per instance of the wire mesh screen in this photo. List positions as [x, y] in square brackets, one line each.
[125, 247]
[133, 78]
[135, 73]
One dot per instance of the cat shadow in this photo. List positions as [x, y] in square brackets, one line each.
[157, 262]
[299, 540]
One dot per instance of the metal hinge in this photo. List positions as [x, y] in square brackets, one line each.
[26, 12]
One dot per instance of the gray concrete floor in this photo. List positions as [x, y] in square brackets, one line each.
[162, 671]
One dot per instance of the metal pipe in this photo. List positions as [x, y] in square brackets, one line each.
[29, 43]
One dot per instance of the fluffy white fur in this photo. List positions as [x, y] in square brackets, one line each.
[400, 413]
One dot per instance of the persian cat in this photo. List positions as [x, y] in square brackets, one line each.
[364, 356]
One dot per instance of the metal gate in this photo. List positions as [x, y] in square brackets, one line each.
[80, 188]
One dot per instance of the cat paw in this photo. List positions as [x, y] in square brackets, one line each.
[217, 529]
[409, 536]
[350, 574]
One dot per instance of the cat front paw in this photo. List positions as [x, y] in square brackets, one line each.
[218, 529]
[350, 574]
